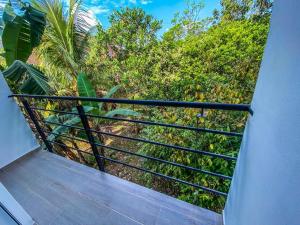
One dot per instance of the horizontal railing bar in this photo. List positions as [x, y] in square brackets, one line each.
[201, 105]
[166, 162]
[149, 123]
[151, 142]
[149, 171]
[169, 125]
[167, 145]
[167, 177]
[147, 157]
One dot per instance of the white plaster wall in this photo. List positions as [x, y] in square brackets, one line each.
[16, 138]
[14, 208]
[266, 186]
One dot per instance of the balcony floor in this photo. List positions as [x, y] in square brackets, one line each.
[55, 190]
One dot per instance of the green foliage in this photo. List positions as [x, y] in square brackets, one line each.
[126, 36]
[132, 34]
[189, 22]
[22, 32]
[32, 80]
[121, 112]
[220, 65]
[204, 60]
[85, 89]
[241, 9]
[197, 60]
[64, 44]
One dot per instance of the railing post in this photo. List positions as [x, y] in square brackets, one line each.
[90, 136]
[36, 124]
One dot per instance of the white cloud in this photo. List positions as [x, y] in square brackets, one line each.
[90, 19]
[146, 2]
[132, 1]
[97, 10]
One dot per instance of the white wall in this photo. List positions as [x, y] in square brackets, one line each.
[14, 208]
[266, 184]
[16, 138]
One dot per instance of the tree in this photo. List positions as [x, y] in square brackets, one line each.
[263, 7]
[131, 31]
[241, 9]
[119, 52]
[235, 9]
[64, 43]
[189, 21]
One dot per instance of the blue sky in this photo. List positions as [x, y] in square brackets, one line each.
[160, 9]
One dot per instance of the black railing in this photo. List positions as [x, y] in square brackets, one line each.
[98, 147]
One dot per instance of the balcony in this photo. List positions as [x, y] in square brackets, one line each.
[38, 186]
[60, 191]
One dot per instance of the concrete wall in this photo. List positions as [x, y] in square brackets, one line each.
[16, 138]
[266, 184]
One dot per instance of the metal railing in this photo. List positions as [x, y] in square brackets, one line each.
[95, 145]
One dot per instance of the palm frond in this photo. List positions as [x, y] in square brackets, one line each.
[65, 39]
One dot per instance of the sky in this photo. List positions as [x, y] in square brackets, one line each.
[161, 9]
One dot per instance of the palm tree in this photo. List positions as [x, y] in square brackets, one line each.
[64, 42]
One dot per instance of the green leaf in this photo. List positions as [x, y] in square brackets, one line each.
[8, 14]
[70, 120]
[86, 109]
[85, 89]
[63, 129]
[22, 32]
[16, 40]
[112, 91]
[109, 94]
[122, 112]
[37, 20]
[33, 81]
[52, 119]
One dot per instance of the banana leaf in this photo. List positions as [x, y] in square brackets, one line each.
[122, 112]
[22, 32]
[85, 89]
[32, 80]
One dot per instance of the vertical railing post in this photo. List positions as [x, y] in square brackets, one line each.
[36, 124]
[90, 137]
